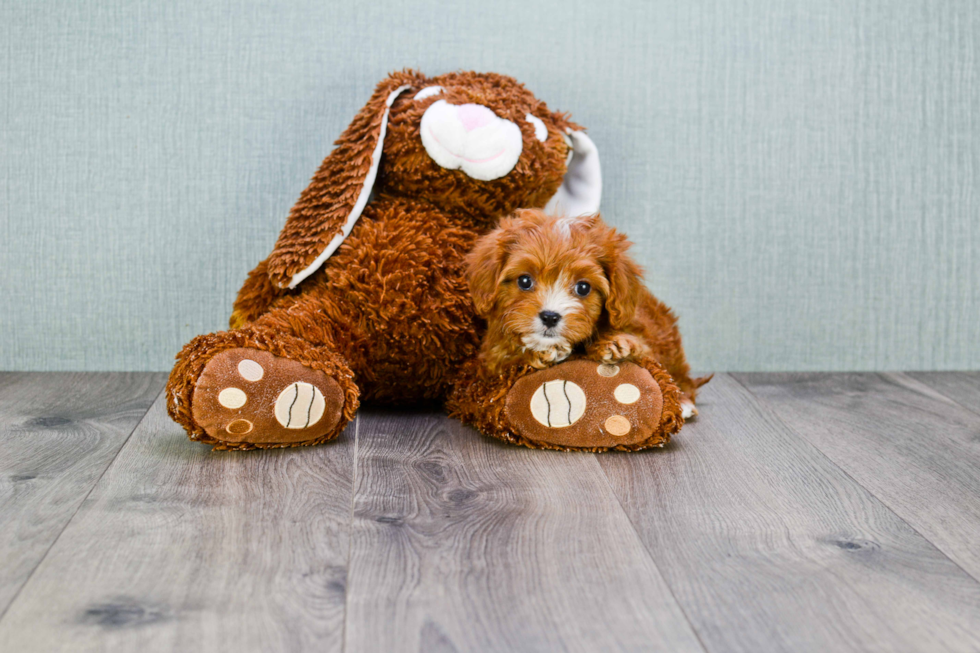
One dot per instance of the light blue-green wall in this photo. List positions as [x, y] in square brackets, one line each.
[801, 179]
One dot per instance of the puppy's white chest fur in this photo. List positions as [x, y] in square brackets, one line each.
[539, 342]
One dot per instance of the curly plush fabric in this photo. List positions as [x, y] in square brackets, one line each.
[387, 316]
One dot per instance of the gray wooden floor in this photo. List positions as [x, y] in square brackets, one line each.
[801, 512]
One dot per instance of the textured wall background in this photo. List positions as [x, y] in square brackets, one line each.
[802, 179]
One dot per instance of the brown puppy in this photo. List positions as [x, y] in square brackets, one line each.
[548, 286]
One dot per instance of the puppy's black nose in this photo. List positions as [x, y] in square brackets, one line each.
[549, 318]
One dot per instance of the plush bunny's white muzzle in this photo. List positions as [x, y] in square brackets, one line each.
[471, 138]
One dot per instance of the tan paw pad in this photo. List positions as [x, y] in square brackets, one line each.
[558, 403]
[240, 427]
[626, 393]
[299, 406]
[617, 425]
[232, 398]
[250, 370]
[607, 370]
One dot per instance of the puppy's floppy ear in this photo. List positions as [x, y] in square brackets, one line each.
[332, 203]
[624, 275]
[485, 263]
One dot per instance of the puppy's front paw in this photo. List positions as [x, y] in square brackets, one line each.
[618, 348]
[540, 359]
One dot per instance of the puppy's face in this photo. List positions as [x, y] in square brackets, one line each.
[549, 281]
[548, 297]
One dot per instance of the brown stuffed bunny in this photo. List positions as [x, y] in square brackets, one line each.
[365, 295]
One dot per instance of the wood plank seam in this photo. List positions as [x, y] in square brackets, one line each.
[79, 506]
[646, 549]
[350, 529]
[973, 408]
[180, 548]
[768, 408]
[771, 548]
[463, 543]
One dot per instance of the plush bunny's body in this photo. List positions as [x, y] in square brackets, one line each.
[365, 295]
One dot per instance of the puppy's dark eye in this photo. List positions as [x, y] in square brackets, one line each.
[582, 288]
[525, 282]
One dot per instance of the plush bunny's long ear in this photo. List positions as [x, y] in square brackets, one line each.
[581, 191]
[330, 206]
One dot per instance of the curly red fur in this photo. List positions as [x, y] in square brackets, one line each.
[618, 319]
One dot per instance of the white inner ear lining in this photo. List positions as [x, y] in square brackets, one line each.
[428, 91]
[362, 199]
[581, 190]
[540, 131]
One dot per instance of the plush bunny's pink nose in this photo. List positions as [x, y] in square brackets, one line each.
[474, 116]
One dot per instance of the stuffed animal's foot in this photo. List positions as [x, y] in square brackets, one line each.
[583, 404]
[251, 396]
